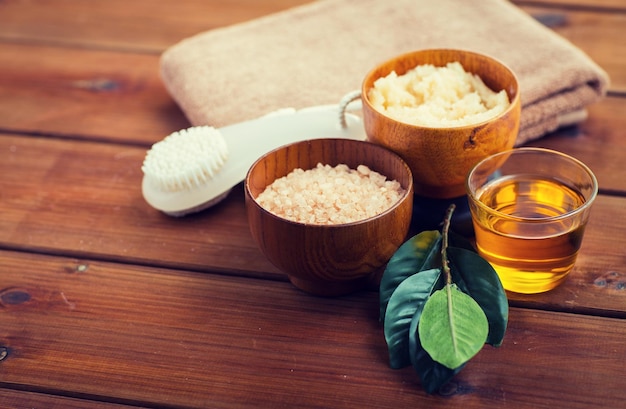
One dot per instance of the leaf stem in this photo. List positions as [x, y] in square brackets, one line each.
[446, 271]
[444, 244]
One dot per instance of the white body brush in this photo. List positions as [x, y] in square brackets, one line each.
[194, 169]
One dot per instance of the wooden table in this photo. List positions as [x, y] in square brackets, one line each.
[107, 303]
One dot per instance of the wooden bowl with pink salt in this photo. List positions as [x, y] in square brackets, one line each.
[329, 213]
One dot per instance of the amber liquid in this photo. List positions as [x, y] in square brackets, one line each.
[534, 254]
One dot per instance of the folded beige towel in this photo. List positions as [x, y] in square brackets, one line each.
[316, 53]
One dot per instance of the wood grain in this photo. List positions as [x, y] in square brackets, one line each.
[142, 26]
[25, 399]
[136, 334]
[107, 303]
[85, 94]
[85, 198]
[53, 203]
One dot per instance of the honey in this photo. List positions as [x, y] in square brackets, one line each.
[529, 240]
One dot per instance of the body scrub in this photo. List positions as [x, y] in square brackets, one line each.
[437, 97]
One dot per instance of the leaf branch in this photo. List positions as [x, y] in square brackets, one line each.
[444, 244]
[447, 273]
[437, 323]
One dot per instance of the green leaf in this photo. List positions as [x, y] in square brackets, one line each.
[408, 298]
[453, 327]
[433, 375]
[482, 283]
[416, 254]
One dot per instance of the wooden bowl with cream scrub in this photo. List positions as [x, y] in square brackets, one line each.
[442, 111]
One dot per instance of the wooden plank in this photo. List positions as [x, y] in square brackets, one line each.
[598, 141]
[193, 340]
[64, 197]
[78, 93]
[140, 25]
[22, 399]
[61, 196]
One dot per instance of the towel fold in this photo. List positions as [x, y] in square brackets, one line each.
[316, 53]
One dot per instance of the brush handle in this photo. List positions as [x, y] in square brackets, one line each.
[247, 141]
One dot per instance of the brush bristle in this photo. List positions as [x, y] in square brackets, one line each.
[185, 159]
